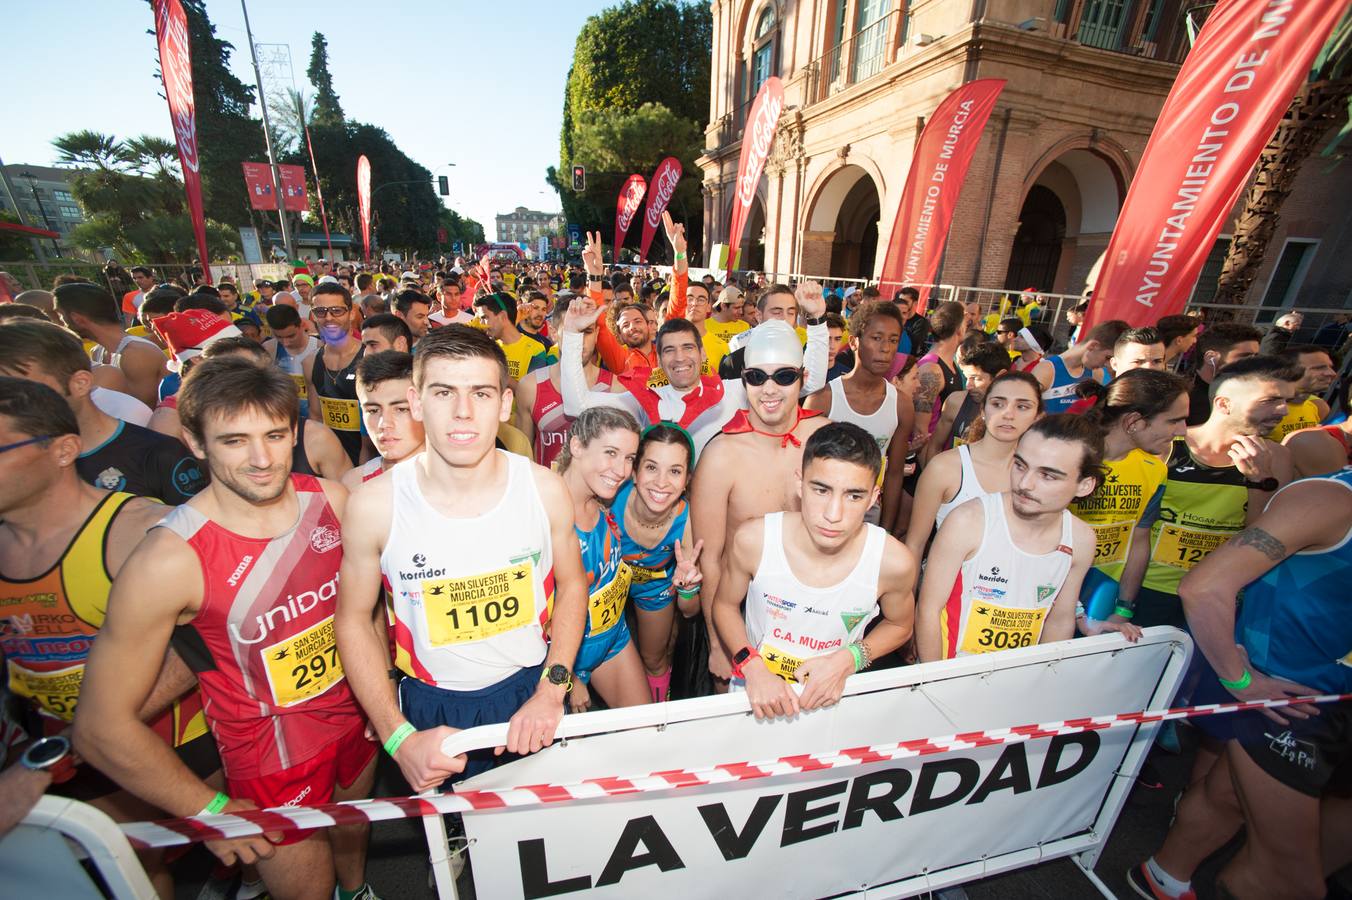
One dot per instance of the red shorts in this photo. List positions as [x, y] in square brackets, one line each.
[313, 781]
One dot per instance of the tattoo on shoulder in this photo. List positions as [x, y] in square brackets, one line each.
[931, 383]
[1261, 541]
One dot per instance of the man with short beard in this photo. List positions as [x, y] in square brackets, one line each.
[765, 438]
[250, 568]
[331, 379]
[1306, 409]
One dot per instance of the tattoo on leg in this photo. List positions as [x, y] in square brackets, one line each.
[1261, 541]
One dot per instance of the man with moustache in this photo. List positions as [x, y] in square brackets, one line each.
[331, 381]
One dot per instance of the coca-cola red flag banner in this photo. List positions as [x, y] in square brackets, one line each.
[364, 202]
[258, 182]
[293, 188]
[663, 185]
[930, 197]
[626, 207]
[1234, 86]
[171, 33]
[757, 138]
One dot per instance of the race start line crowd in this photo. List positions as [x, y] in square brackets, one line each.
[251, 539]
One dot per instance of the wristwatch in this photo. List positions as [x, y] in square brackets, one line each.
[741, 657]
[817, 320]
[51, 754]
[558, 674]
[1267, 484]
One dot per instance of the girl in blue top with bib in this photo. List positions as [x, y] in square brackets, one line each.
[654, 520]
[594, 463]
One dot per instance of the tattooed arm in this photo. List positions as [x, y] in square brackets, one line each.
[1208, 592]
[931, 383]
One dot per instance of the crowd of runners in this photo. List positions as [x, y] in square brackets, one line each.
[253, 536]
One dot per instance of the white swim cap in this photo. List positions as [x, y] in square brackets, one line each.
[774, 341]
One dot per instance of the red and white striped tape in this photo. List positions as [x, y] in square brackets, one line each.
[172, 832]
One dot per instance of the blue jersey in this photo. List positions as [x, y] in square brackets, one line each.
[607, 578]
[1061, 395]
[1296, 621]
[651, 569]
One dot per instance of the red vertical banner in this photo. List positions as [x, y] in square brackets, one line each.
[662, 186]
[757, 139]
[930, 197]
[293, 188]
[258, 182]
[1234, 86]
[171, 33]
[626, 207]
[364, 202]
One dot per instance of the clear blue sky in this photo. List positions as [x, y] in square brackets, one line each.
[402, 65]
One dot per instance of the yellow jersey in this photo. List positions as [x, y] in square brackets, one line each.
[519, 354]
[1299, 416]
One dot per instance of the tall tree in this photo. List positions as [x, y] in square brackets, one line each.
[327, 109]
[1321, 105]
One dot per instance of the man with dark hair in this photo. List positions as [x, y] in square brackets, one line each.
[1005, 569]
[229, 295]
[132, 300]
[777, 303]
[331, 382]
[1306, 409]
[386, 331]
[461, 492]
[855, 571]
[54, 591]
[497, 313]
[1059, 374]
[384, 379]
[1138, 348]
[413, 307]
[980, 362]
[117, 455]
[1219, 346]
[534, 313]
[291, 348]
[90, 311]
[1179, 334]
[209, 302]
[1221, 476]
[936, 370]
[915, 327]
[865, 397]
[250, 569]
[21, 311]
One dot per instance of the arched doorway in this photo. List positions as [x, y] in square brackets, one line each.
[753, 239]
[841, 240]
[1065, 222]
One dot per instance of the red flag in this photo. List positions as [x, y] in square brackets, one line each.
[258, 182]
[757, 138]
[663, 183]
[364, 201]
[631, 195]
[930, 198]
[293, 188]
[1235, 85]
[171, 33]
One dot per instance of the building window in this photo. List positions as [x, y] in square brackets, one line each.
[1287, 275]
[71, 212]
[871, 37]
[63, 195]
[762, 56]
[1207, 282]
[1102, 24]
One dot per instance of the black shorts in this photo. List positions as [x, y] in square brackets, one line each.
[1305, 755]
[199, 755]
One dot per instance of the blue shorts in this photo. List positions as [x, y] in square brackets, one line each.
[1098, 594]
[427, 706]
[656, 602]
[597, 648]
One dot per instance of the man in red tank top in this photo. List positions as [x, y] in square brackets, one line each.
[251, 567]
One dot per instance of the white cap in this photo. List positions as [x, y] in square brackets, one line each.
[774, 341]
[327, 279]
[408, 276]
[848, 291]
[457, 270]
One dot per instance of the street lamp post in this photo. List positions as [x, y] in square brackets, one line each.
[42, 210]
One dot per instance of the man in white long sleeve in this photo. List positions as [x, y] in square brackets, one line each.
[701, 404]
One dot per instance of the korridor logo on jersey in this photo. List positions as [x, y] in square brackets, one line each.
[324, 538]
[993, 576]
[419, 560]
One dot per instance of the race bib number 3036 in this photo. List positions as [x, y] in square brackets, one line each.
[304, 665]
[479, 606]
[991, 627]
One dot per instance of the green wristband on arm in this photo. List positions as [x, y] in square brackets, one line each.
[1239, 684]
[400, 735]
[215, 805]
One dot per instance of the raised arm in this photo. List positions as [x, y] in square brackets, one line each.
[812, 304]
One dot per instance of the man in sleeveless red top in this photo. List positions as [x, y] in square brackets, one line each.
[248, 572]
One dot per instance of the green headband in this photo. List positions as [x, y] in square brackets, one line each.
[690, 442]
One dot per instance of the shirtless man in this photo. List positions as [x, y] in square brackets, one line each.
[92, 313]
[767, 439]
[826, 556]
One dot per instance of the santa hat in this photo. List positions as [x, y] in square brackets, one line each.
[188, 333]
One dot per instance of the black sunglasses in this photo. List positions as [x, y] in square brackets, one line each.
[781, 377]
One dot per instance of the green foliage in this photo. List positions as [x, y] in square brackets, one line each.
[88, 148]
[610, 140]
[458, 228]
[327, 109]
[14, 246]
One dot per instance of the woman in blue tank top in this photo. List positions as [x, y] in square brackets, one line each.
[654, 520]
[594, 462]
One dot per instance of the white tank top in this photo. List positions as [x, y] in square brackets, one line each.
[789, 621]
[100, 356]
[969, 489]
[470, 596]
[1002, 595]
[881, 423]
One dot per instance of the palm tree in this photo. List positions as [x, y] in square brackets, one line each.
[150, 155]
[1320, 105]
[89, 148]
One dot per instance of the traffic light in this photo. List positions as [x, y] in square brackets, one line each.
[579, 179]
[444, 185]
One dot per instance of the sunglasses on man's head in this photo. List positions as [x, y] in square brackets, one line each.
[781, 377]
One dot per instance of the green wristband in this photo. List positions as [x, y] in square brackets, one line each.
[687, 593]
[1125, 612]
[858, 657]
[680, 256]
[397, 739]
[215, 805]
[1239, 683]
